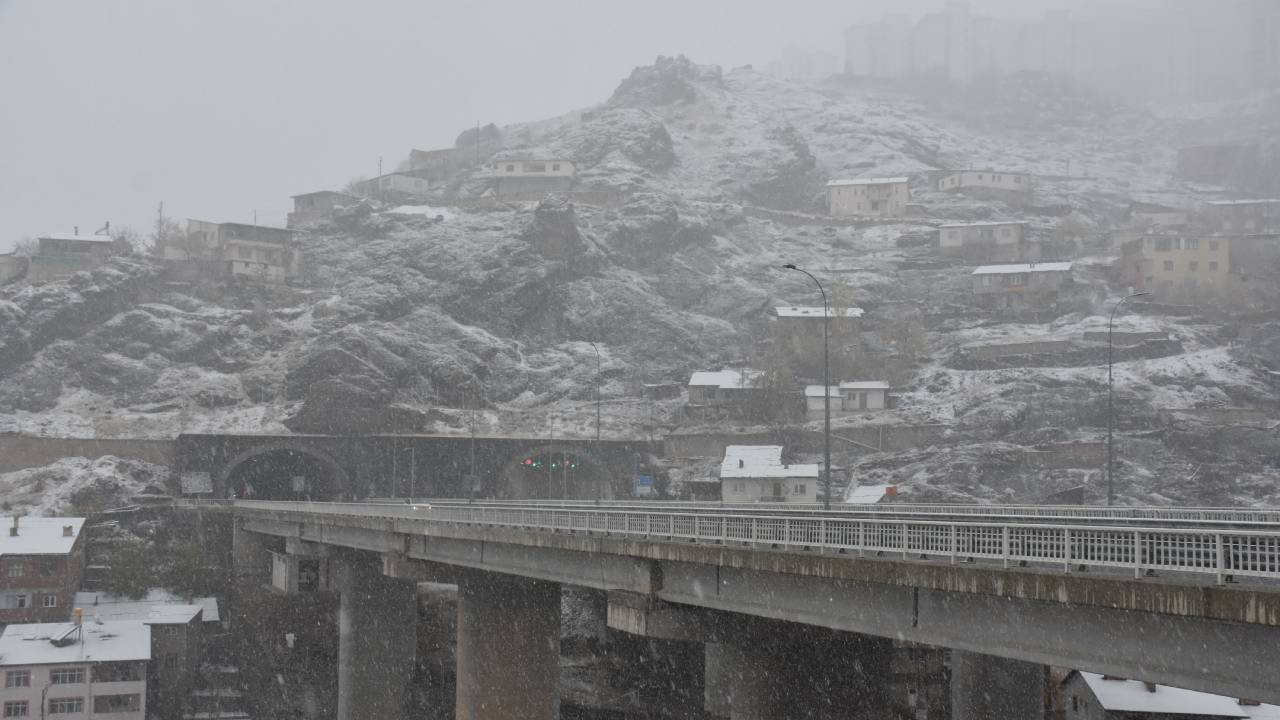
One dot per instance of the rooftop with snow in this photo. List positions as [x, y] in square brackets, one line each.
[23, 535]
[761, 461]
[869, 181]
[1022, 268]
[69, 642]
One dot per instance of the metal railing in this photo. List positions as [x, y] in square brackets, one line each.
[1073, 513]
[1213, 552]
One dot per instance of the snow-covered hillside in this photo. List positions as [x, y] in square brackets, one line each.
[416, 316]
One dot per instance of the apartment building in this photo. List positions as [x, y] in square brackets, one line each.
[41, 564]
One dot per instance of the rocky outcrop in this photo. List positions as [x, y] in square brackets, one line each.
[669, 81]
[636, 134]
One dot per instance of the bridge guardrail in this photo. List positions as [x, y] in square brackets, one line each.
[1266, 516]
[1214, 552]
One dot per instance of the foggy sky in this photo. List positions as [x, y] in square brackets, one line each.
[223, 108]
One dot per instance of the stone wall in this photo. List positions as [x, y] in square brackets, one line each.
[18, 452]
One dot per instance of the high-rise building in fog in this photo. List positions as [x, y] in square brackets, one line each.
[1189, 50]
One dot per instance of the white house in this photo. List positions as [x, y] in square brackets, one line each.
[999, 241]
[847, 397]
[394, 187]
[530, 175]
[81, 669]
[987, 180]
[1089, 696]
[718, 388]
[868, 196]
[756, 473]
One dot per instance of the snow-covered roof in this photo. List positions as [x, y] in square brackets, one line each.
[39, 535]
[869, 181]
[804, 311]
[116, 607]
[1257, 201]
[761, 461]
[867, 494]
[78, 238]
[725, 379]
[816, 391]
[324, 192]
[864, 385]
[108, 641]
[1133, 696]
[1022, 268]
[992, 223]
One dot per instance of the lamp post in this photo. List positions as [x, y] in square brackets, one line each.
[826, 388]
[1111, 469]
[597, 448]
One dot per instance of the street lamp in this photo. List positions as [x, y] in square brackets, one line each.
[826, 388]
[597, 449]
[1111, 468]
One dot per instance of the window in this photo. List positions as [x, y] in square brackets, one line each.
[59, 706]
[116, 672]
[1177, 243]
[1075, 704]
[739, 487]
[66, 676]
[48, 601]
[14, 602]
[116, 703]
[1168, 265]
[1193, 244]
[555, 167]
[17, 678]
[1213, 266]
[801, 488]
[1193, 265]
[1017, 180]
[1213, 245]
[535, 167]
[1017, 279]
[1163, 245]
[16, 708]
[47, 568]
[511, 168]
[14, 570]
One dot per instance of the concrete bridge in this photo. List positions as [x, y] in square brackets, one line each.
[332, 467]
[1189, 598]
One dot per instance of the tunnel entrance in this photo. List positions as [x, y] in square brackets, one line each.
[555, 473]
[285, 474]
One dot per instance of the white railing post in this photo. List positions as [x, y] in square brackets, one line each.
[822, 535]
[955, 541]
[1137, 553]
[1004, 544]
[862, 538]
[753, 531]
[1066, 550]
[905, 542]
[786, 531]
[1222, 559]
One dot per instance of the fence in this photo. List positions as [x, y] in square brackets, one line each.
[1219, 553]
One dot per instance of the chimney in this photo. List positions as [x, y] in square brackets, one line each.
[13, 531]
[68, 531]
[77, 229]
[1150, 686]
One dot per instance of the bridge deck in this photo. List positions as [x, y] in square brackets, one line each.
[1195, 551]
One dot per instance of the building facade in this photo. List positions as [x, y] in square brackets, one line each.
[1001, 241]
[41, 565]
[1011, 182]
[512, 176]
[237, 250]
[756, 473]
[1090, 696]
[310, 207]
[61, 255]
[1243, 216]
[79, 669]
[1022, 286]
[876, 197]
[1165, 262]
[723, 388]
[402, 187]
[847, 398]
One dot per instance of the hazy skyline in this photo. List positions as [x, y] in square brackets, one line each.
[223, 109]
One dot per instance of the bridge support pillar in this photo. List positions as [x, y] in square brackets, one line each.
[780, 672]
[508, 648]
[985, 687]
[377, 640]
[250, 556]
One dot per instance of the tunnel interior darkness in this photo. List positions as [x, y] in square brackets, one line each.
[551, 473]
[284, 474]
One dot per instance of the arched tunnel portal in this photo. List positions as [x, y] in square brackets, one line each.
[284, 472]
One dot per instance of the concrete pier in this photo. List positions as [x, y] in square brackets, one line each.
[985, 687]
[508, 648]
[377, 639]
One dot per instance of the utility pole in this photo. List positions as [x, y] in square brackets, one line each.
[826, 387]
